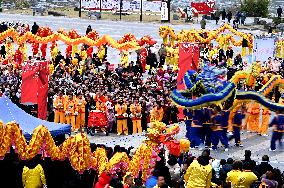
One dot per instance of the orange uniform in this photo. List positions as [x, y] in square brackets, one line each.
[265, 121]
[80, 108]
[70, 109]
[100, 106]
[157, 114]
[231, 116]
[253, 121]
[135, 110]
[121, 119]
[58, 105]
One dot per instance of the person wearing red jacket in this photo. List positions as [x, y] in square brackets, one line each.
[103, 181]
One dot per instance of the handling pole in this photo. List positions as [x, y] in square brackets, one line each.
[169, 10]
[80, 9]
[120, 9]
[141, 10]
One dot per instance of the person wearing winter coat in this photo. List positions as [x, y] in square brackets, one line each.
[174, 170]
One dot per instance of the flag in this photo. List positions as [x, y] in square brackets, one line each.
[185, 50]
[188, 60]
[42, 90]
[205, 8]
[29, 84]
[195, 57]
[35, 86]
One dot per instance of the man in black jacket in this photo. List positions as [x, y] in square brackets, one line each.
[35, 28]
[263, 167]
[229, 16]
[248, 159]
[151, 60]
[223, 13]
[279, 12]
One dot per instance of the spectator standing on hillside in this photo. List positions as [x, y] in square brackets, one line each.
[217, 16]
[279, 12]
[223, 13]
[238, 17]
[243, 18]
[203, 23]
[229, 16]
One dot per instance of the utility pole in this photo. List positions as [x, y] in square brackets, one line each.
[165, 10]
[169, 10]
[100, 5]
[80, 8]
[120, 9]
[141, 10]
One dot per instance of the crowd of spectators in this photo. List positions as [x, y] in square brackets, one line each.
[94, 76]
[184, 171]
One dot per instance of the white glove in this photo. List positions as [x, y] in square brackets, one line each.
[230, 134]
[76, 113]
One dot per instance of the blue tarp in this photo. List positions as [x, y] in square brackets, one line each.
[11, 112]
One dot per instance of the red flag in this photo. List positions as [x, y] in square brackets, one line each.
[188, 60]
[42, 90]
[29, 84]
[184, 63]
[35, 86]
[205, 8]
[195, 57]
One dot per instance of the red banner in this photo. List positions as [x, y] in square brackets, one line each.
[42, 90]
[35, 86]
[188, 60]
[29, 84]
[195, 57]
[205, 8]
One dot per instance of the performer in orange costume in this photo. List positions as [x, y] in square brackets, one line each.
[80, 107]
[135, 110]
[253, 121]
[265, 121]
[121, 109]
[58, 105]
[231, 116]
[157, 113]
[70, 112]
[100, 104]
[247, 117]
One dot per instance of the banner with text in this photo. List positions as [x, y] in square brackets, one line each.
[109, 5]
[263, 49]
[164, 11]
